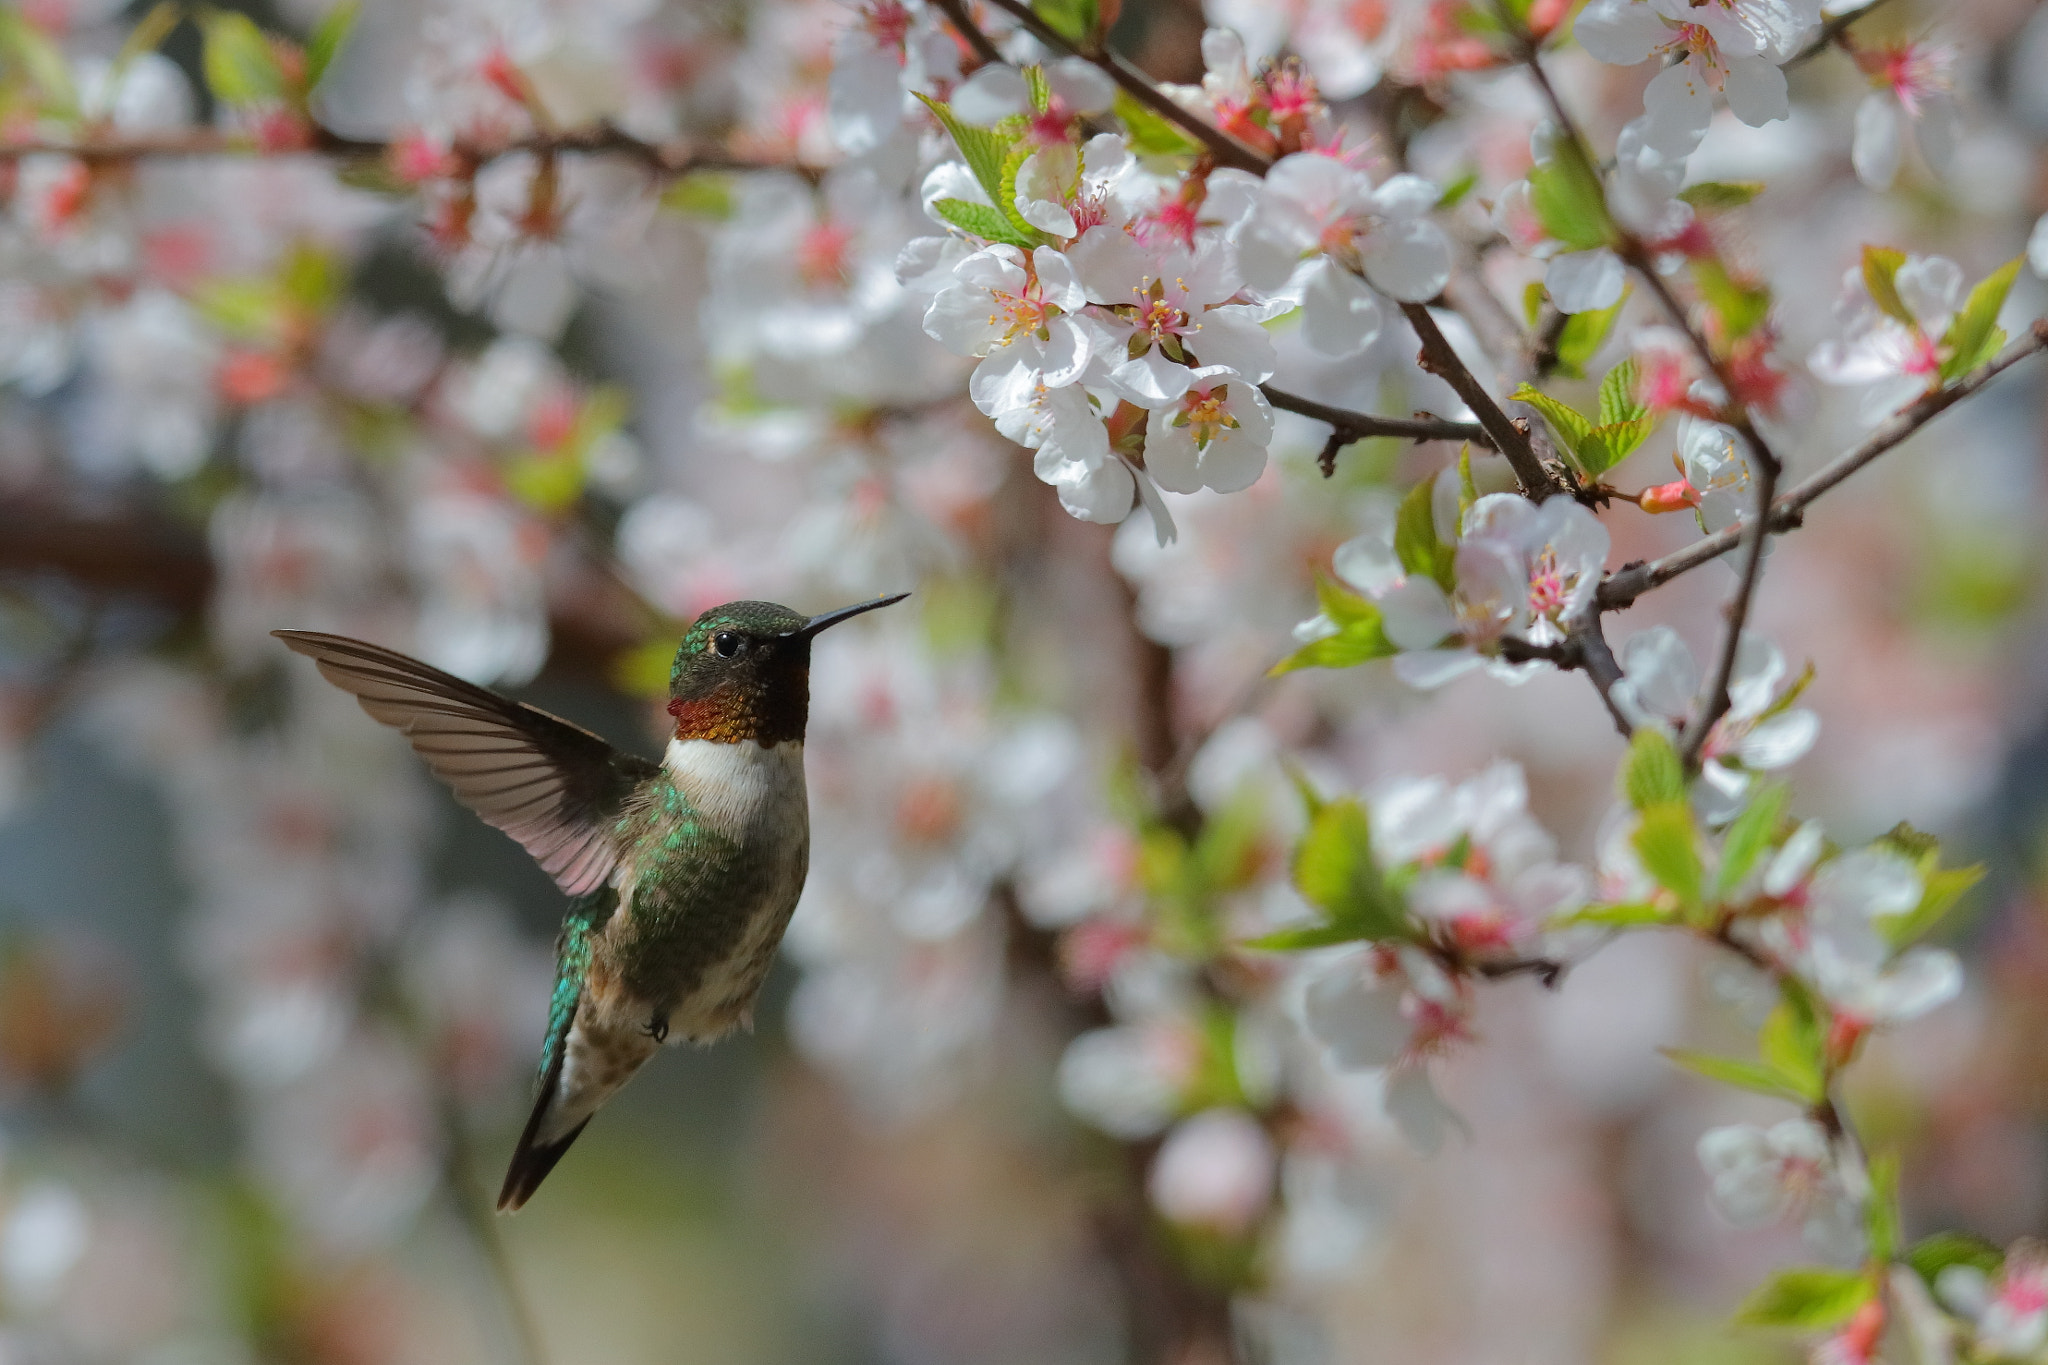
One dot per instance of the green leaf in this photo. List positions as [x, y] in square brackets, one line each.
[1583, 336]
[1652, 774]
[1013, 162]
[1741, 306]
[1715, 196]
[1931, 1255]
[1300, 940]
[1618, 395]
[147, 35]
[328, 36]
[1150, 134]
[1790, 1045]
[984, 149]
[1880, 278]
[240, 66]
[1036, 89]
[982, 221]
[1455, 192]
[1415, 541]
[28, 48]
[705, 194]
[1567, 199]
[1312, 802]
[1073, 20]
[1732, 1071]
[1667, 843]
[1334, 871]
[1607, 446]
[1468, 490]
[1567, 423]
[311, 279]
[1942, 890]
[1348, 648]
[1811, 1298]
[1749, 836]
[1972, 338]
[1532, 303]
[1625, 915]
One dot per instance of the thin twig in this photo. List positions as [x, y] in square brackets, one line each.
[1624, 586]
[1833, 30]
[1510, 440]
[1714, 697]
[963, 23]
[1347, 426]
[1585, 648]
[1226, 150]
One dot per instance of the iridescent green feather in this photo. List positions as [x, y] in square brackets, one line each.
[587, 915]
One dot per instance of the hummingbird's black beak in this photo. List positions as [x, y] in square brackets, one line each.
[833, 618]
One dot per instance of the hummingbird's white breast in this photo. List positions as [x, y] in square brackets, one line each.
[745, 790]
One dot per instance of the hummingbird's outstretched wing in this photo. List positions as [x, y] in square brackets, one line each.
[553, 786]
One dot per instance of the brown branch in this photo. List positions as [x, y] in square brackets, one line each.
[670, 160]
[1510, 440]
[969, 31]
[1714, 698]
[1832, 31]
[1624, 586]
[1347, 426]
[1585, 648]
[1226, 150]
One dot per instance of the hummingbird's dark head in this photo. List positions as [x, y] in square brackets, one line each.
[743, 671]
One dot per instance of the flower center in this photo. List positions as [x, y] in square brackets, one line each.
[1207, 413]
[1548, 589]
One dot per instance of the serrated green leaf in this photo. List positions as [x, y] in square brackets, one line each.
[705, 194]
[1931, 1255]
[1741, 306]
[1942, 890]
[1791, 1046]
[1607, 446]
[1880, 279]
[1566, 197]
[1013, 162]
[983, 149]
[1349, 647]
[1618, 402]
[1073, 20]
[1970, 341]
[1300, 940]
[1623, 915]
[328, 36]
[31, 51]
[1667, 843]
[1334, 871]
[1455, 192]
[982, 221]
[1584, 334]
[1749, 835]
[1652, 775]
[1732, 1071]
[1810, 1298]
[1567, 423]
[1148, 133]
[1716, 196]
[240, 66]
[1415, 541]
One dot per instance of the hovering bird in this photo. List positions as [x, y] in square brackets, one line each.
[682, 874]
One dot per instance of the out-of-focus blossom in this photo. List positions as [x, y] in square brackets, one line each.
[1735, 47]
[1314, 203]
[1893, 361]
[1912, 91]
[1762, 1176]
[2007, 1312]
[1760, 731]
[1214, 1171]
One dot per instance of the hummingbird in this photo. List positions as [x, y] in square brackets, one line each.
[681, 873]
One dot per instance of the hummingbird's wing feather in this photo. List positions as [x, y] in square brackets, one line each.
[553, 786]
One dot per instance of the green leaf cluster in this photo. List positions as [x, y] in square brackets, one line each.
[243, 65]
[1565, 194]
[1335, 871]
[1810, 1298]
[1791, 1059]
[1596, 444]
[993, 155]
[1186, 879]
[1974, 337]
[1361, 636]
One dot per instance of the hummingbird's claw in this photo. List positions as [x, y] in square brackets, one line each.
[657, 1028]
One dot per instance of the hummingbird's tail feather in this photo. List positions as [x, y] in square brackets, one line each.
[533, 1158]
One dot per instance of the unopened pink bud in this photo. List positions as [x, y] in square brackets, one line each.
[1669, 497]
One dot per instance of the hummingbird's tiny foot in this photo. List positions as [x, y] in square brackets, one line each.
[657, 1028]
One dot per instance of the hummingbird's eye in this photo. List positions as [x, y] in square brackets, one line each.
[726, 643]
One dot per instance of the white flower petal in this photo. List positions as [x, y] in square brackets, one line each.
[1585, 281]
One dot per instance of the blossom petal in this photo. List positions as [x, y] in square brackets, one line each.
[1585, 281]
